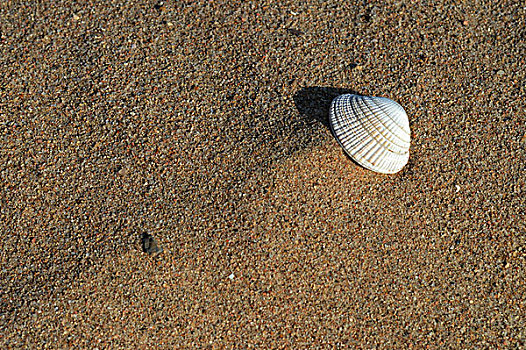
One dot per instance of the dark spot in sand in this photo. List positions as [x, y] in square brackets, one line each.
[295, 32]
[150, 244]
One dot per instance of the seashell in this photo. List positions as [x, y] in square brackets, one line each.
[373, 131]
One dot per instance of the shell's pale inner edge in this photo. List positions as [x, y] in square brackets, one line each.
[374, 131]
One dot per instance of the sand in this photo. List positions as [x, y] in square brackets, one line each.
[204, 125]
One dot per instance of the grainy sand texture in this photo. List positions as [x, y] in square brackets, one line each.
[202, 126]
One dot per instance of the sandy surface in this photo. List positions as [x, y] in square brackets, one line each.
[203, 124]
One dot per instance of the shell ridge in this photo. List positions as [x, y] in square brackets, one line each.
[393, 123]
[399, 109]
[365, 149]
[374, 131]
[390, 141]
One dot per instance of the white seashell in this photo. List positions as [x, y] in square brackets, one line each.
[373, 131]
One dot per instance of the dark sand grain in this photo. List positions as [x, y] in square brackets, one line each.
[203, 124]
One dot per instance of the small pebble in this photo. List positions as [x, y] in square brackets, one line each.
[150, 244]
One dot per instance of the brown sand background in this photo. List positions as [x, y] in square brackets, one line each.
[203, 123]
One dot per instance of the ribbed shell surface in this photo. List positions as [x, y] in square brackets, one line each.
[374, 131]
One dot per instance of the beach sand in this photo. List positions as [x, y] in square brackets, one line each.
[204, 125]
